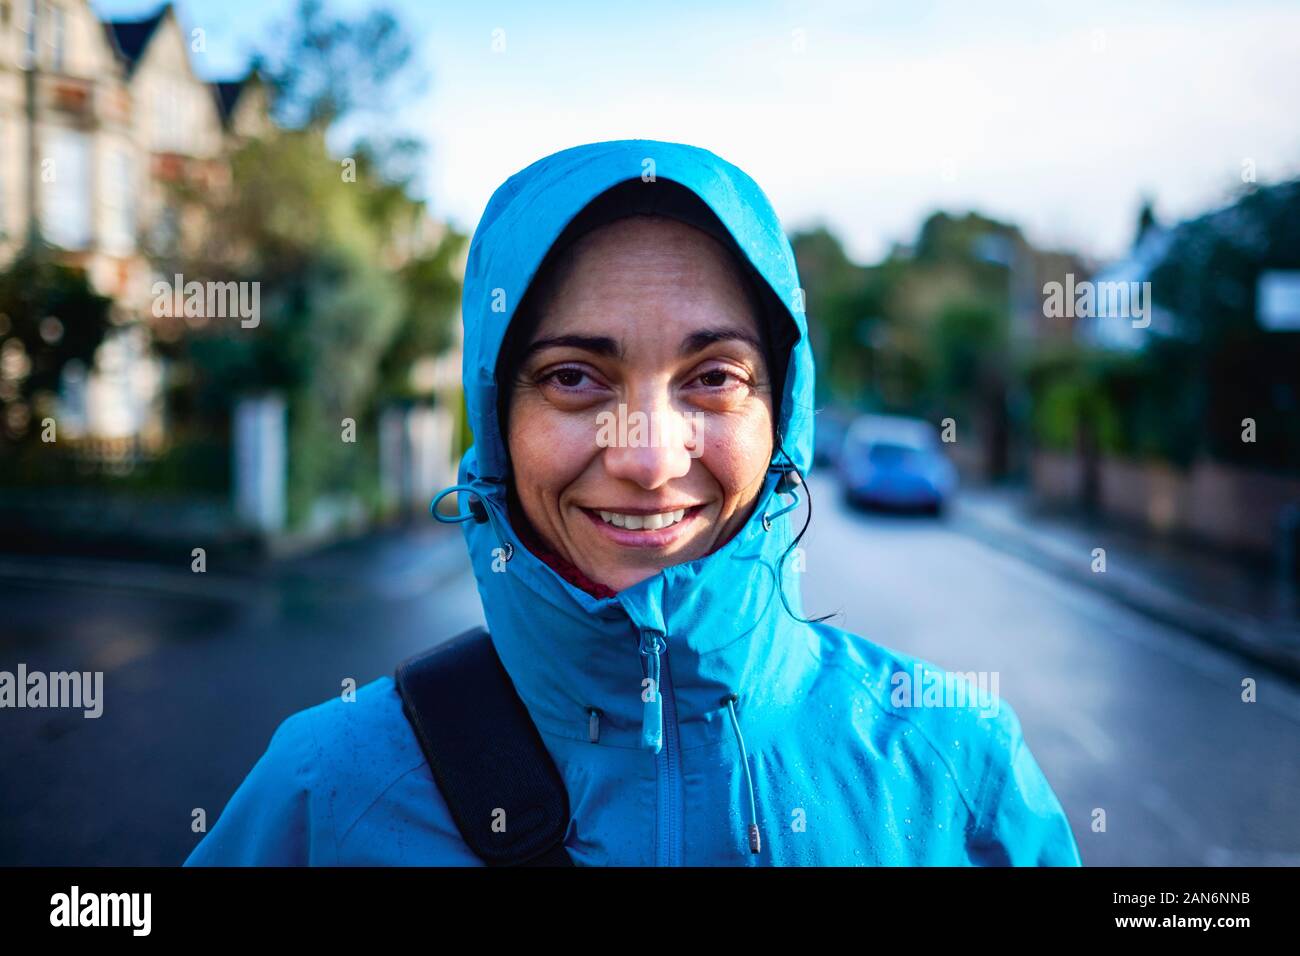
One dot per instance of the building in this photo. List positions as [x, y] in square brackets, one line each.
[99, 123]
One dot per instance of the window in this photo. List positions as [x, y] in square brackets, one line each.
[118, 191]
[29, 28]
[56, 39]
[167, 133]
[66, 188]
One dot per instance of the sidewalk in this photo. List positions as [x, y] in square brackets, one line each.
[1233, 604]
[394, 563]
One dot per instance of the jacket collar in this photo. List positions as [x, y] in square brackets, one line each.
[566, 569]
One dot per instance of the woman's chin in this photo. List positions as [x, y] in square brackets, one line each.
[619, 569]
[623, 580]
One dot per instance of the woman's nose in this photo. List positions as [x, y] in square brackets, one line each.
[648, 445]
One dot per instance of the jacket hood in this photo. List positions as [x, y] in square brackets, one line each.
[717, 626]
[528, 213]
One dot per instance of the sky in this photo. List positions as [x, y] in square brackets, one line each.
[861, 116]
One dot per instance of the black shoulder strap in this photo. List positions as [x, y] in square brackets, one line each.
[485, 753]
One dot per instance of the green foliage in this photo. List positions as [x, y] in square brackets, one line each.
[925, 331]
[191, 465]
[324, 67]
[338, 325]
[1118, 401]
[839, 297]
[1225, 366]
[353, 292]
[969, 241]
[967, 348]
[431, 298]
[49, 316]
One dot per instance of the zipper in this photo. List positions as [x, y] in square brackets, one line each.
[659, 736]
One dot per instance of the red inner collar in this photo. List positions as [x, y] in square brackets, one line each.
[565, 569]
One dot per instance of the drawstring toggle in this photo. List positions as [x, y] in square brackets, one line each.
[652, 711]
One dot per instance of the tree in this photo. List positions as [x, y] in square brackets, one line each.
[837, 301]
[49, 316]
[328, 67]
[1235, 369]
[354, 285]
[330, 307]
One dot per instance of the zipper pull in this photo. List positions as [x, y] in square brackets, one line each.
[652, 713]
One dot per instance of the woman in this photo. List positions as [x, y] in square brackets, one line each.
[637, 581]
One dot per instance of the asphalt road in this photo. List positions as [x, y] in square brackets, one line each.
[1123, 714]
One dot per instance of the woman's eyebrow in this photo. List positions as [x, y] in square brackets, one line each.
[604, 345]
[702, 339]
[599, 344]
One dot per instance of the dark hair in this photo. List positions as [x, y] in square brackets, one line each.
[660, 197]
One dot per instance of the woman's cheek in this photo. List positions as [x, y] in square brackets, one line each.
[551, 447]
[736, 450]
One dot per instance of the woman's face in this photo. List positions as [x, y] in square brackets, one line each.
[640, 425]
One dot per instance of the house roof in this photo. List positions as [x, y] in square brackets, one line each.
[227, 96]
[131, 37]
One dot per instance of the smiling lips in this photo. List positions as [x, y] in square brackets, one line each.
[641, 528]
[652, 522]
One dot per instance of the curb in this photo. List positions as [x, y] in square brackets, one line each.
[1225, 630]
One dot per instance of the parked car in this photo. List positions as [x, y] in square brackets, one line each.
[889, 461]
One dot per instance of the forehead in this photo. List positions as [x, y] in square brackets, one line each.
[643, 274]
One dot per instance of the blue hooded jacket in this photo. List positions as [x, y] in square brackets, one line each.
[818, 749]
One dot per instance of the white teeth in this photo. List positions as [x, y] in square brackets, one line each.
[640, 522]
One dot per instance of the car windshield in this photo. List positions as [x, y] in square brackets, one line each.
[890, 453]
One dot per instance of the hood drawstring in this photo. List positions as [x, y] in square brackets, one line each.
[481, 509]
[787, 486]
[755, 842]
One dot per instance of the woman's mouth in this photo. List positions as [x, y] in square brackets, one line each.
[652, 522]
[644, 530]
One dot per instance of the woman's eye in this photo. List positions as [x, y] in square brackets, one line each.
[568, 378]
[717, 378]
